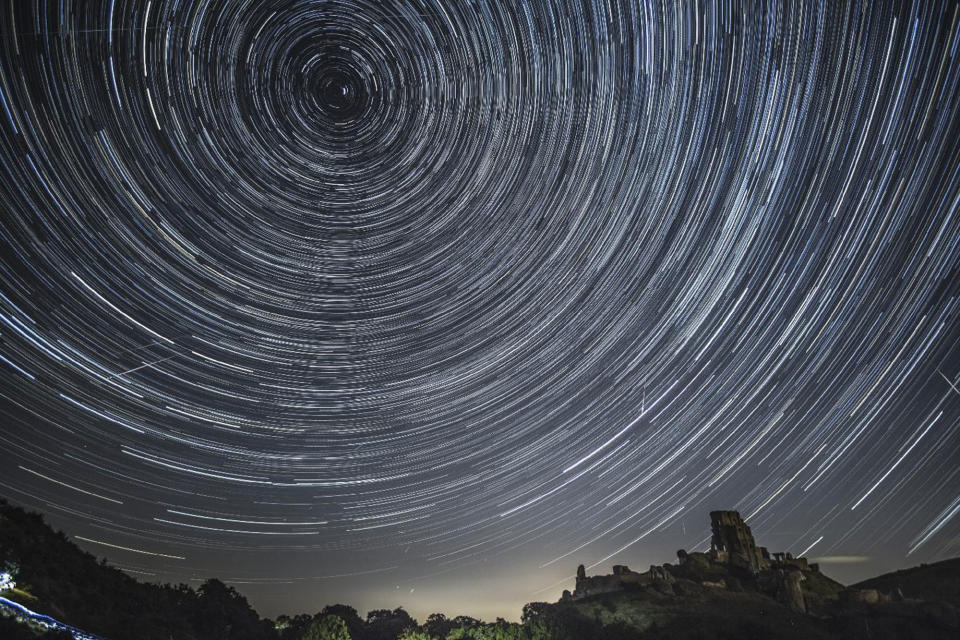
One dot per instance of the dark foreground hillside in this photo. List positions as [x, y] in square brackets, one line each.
[58, 579]
[716, 615]
[737, 591]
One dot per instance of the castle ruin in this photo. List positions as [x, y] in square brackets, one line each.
[733, 556]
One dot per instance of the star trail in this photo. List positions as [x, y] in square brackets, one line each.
[425, 302]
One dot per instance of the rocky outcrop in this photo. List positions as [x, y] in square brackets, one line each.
[871, 596]
[789, 592]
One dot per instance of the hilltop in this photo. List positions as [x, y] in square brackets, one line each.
[934, 582]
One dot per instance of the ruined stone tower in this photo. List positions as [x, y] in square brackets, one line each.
[733, 542]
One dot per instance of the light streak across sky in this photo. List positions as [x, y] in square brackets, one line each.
[442, 295]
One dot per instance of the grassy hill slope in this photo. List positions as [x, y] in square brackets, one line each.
[934, 582]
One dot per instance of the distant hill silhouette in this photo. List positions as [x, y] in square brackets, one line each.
[736, 591]
[935, 582]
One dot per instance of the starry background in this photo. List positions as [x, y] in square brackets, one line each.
[424, 303]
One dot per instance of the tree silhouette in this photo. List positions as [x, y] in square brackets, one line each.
[384, 624]
[349, 615]
[327, 628]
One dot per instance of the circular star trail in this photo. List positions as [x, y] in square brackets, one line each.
[395, 290]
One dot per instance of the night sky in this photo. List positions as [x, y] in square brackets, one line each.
[423, 303]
